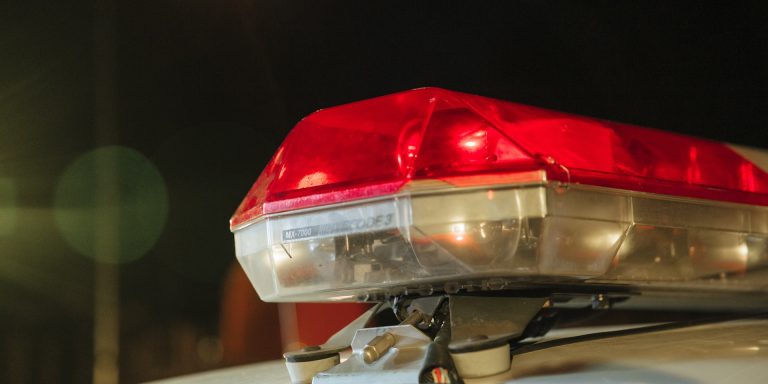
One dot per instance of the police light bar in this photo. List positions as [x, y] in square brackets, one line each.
[431, 190]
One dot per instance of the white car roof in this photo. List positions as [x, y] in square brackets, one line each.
[732, 351]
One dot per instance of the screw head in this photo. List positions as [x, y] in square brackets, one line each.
[370, 354]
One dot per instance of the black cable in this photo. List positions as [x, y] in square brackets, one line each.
[520, 349]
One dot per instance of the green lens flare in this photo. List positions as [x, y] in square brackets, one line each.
[111, 204]
[7, 206]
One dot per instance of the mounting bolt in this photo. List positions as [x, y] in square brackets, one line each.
[414, 318]
[377, 347]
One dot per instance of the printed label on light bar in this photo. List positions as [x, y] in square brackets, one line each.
[371, 217]
[348, 226]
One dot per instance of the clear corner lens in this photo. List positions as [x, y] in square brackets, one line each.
[516, 233]
[256, 259]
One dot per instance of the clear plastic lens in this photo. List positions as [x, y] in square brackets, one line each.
[440, 239]
[258, 265]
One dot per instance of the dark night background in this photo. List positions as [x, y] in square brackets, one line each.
[206, 90]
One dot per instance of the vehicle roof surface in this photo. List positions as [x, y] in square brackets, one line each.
[732, 351]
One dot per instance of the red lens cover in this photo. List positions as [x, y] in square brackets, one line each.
[374, 147]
